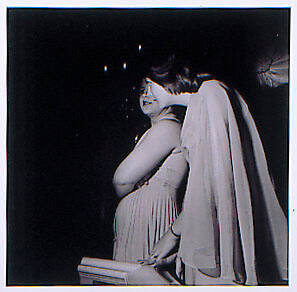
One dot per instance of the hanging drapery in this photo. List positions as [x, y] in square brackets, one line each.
[233, 224]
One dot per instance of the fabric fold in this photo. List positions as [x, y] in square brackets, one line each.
[230, 200]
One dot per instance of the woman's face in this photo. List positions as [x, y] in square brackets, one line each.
[149, 103]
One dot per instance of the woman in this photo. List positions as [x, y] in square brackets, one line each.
[232, 228]
[145, 214]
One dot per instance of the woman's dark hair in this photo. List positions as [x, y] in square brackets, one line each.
[176, 77]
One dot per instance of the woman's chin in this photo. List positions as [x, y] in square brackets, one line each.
[147, 111]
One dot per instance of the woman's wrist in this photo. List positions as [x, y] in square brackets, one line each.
[175, 234]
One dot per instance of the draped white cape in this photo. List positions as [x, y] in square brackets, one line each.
[233, 224]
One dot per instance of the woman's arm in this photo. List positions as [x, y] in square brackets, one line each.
[166, 246]
[165, 98]
[122, 189]
[155, 146]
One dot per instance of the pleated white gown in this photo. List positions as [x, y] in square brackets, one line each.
[145, 215]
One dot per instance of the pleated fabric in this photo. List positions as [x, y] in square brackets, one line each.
[233, 226]
[145, 215]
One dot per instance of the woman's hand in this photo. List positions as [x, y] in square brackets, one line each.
[163, 251]
[158, 92]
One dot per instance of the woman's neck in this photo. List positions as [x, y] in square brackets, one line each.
[154, 119]
[165, 113]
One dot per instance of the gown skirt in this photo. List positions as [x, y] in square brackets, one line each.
[142, 218]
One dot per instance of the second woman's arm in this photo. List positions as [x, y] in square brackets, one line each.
[155, 146]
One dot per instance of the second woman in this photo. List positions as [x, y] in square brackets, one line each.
[155, 168]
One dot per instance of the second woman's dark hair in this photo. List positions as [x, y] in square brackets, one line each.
[175, 76]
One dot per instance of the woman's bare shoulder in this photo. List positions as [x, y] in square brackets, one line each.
[165, 132]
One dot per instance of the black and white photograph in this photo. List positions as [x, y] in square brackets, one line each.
[147, 146]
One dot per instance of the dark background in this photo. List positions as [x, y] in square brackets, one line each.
[70, 123]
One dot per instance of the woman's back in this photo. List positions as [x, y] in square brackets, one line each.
[172, 170]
